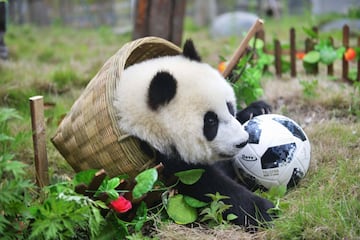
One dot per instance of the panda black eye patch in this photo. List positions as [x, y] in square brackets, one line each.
[211, 124]
[231, 108]
[161, 90]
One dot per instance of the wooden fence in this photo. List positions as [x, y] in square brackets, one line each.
[279, 52]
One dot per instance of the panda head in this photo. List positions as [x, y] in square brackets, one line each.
[178, 104]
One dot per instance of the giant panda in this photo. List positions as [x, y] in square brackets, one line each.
[186, 111]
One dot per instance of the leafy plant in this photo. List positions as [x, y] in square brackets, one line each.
[246, 77]
[14, 188]
[180, 208]
[274, 194]
[323, 52]
[309, 88]
[213, 214]
[65, 212]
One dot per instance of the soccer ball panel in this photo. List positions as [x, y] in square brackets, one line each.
[292, 127]
[278, 156]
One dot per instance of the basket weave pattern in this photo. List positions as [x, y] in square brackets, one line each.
[89, 136]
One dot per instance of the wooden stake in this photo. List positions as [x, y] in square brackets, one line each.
[358, 62]
[330, 67]
[316, 65]
[293, 52]
[243, 45]
[39, 140]
[95, 183]
[277, 56]
[345, 64]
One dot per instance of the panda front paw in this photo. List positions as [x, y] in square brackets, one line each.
[253, 212]
[254, 109]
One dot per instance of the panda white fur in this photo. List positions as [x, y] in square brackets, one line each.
[186, 111]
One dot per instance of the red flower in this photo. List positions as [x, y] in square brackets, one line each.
[300, 55]
[121, 205]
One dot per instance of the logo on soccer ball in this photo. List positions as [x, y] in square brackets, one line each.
[248, 157]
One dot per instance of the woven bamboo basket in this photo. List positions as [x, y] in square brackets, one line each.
[89, 137]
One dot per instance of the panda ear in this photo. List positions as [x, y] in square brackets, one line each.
[161, 90]
[190, 52]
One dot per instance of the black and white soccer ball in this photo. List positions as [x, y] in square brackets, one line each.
[278, 152]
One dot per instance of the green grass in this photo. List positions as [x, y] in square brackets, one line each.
[326, 205]
[58, 62]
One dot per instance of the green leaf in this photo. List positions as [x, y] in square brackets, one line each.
[84, 177]
[277, 192]
[8, 113]
[340, 52]
[259, 44]
[4, 137]
[113, 183]
[190, 176]
[327, 55]
[311, 33]
[194, 202]
[312, 57]
[113, 194]
[179, 211]
[141, 216]
[217, 196]
[16, 167]
[5, 157]
[144, 182]
[231, 217]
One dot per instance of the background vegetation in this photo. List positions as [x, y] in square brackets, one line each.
[57, 62]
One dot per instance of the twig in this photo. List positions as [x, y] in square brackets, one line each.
[243, 45]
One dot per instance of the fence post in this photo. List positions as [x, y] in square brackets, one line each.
[293, 52]
[316, 66]
[310, 68]
[39, 140]
[358, 62]
[261, 35]
[277, 55]
[345, 64]
[330, 67]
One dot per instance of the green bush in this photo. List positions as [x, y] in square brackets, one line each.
[14, 188]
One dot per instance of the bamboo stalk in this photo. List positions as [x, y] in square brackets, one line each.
[242, 47]
[39, 140]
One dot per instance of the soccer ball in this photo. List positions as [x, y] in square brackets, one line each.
[278, 152]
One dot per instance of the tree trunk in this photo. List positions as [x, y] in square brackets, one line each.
[161, 18]
[38, 13]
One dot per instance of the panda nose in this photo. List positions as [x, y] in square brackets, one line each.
[241, 145]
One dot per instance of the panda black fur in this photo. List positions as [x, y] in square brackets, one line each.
[186, 111]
